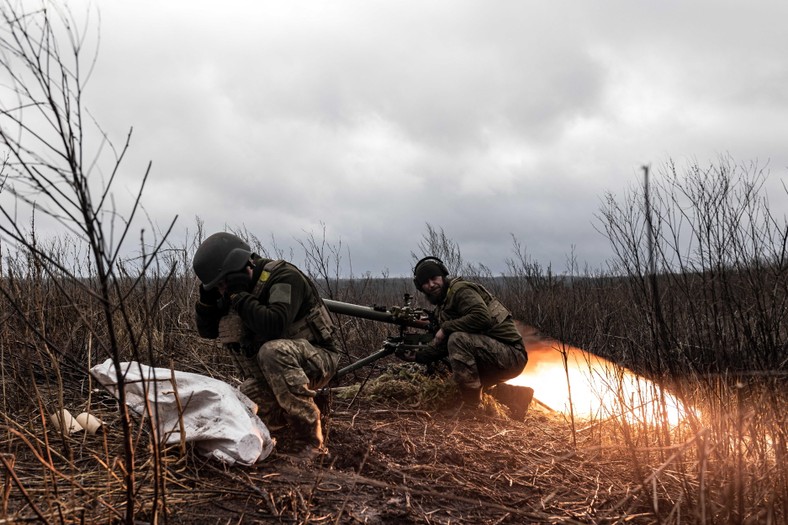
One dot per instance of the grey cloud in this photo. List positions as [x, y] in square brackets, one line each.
[375, 118]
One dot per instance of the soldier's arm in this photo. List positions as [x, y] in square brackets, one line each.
[207, 313]
[474, 316]
[270, 320]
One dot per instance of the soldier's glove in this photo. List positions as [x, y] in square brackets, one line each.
[237, 282]
[209, 297]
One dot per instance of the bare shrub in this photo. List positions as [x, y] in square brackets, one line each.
[79, 299]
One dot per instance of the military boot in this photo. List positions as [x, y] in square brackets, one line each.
[307, 442]
[273, 416]
[515, 398]
[471, 397]
[267, 407]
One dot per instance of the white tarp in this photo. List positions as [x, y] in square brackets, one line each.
[220, 420]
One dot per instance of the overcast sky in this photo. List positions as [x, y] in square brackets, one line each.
[488, 119]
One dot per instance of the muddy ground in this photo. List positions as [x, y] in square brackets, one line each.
[399, 465]
[401, 451]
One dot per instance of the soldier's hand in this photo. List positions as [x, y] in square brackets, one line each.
[238, 282]
[440, 337]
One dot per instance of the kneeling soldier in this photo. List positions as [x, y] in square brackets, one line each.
[281, 335]
[476, 333]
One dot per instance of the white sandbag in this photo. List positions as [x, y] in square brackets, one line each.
[218, 418]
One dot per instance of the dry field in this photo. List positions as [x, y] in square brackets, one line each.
[388, 464]
[401, 452]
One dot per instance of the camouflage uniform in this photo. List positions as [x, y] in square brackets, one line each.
[286, 348]
[482, 343]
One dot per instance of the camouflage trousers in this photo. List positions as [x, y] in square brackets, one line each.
[282, 378]
[480, 361]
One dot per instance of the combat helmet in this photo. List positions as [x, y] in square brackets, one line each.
[218, 255]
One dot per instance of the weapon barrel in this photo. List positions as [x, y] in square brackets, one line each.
[373, 314]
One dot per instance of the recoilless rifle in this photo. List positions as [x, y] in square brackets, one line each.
[407, 342]
[406, 317]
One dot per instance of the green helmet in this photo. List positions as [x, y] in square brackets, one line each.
[220, 254]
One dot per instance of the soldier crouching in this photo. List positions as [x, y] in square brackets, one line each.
[271, 317]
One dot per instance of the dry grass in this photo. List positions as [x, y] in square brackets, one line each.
[388, 464]
[400, 457]
[401, 453]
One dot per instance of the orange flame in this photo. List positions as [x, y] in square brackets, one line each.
[599, 388]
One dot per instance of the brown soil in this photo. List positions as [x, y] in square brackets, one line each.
[412, 466]
[391, 461]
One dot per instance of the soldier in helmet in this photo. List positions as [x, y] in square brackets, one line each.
[476, 333]
[281, 335]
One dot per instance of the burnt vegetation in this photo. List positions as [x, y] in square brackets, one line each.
[694, 298]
